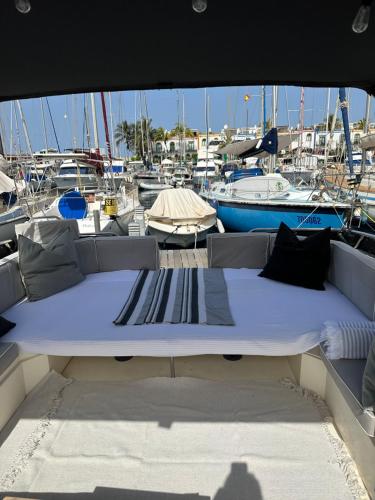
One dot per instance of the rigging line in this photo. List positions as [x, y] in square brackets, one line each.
[11, 130]
[287, 109]
[84, 121]
[18, 134]
[53, 125]
[309, 215]
[367, 215]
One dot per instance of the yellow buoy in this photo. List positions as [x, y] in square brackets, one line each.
[110, 205]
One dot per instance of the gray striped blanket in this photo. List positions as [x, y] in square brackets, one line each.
[348, 339]
[177, 296]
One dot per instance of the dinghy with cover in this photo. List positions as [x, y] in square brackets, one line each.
[180, 217]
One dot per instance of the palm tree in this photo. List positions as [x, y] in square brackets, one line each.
[160, 134]
[134, 136]
[124, 133]
[181, 131]
[361, 124]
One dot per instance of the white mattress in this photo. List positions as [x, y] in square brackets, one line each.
[272, 319]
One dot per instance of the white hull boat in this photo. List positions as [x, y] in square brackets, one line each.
[10, 214]
[154, 186]
[8, 220]
[73, 174]
[180, 217]
[74, 206]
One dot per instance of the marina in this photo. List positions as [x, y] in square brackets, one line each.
[187, 251]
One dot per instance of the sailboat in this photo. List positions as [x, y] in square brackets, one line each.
[96, 211]
[263, 202]
[11, 213]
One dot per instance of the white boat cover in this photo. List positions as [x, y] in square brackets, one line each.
[6, 183]
[4, 165]
[271, 319]
[178, 205]
[367, 141]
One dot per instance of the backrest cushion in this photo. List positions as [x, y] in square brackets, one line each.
[43, 231]
[353, 273]
[50, 269]
[127, 252]
[236, 250]
[11, 285]
[87, 256]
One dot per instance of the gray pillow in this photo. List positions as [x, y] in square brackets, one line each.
[368, 382]
[49, 269]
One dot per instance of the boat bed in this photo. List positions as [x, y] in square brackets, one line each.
[271, 319]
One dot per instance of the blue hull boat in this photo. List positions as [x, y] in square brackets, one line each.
[248, 216]
[263, 202]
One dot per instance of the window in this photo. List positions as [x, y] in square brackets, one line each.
[308, 137]
[322, 140]
[190, 146]
[203, 142]
[158, 147]
[172, 147]
[357, 138]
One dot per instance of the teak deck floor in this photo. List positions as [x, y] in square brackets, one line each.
[183, 258]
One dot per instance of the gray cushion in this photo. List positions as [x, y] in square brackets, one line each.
[348, 374]
[11, 286]
[43, 231]
[50, 269]
[8, 353]
[127, 252]
[87, 256]
[236, 250]
[353, 273]
[368, 382]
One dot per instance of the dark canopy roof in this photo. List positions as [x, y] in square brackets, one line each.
[237, 148]
[66, 46]
[245, 149]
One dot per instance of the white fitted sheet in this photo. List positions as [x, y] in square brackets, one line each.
[271, 319]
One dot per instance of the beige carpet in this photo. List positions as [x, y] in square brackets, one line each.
[172, 439]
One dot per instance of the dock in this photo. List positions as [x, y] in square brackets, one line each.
[183, 258]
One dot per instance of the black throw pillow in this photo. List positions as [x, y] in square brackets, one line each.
[5, 326]
[299, 262]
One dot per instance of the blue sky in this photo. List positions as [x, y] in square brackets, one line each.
[227, 106]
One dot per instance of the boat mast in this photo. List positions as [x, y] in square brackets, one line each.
[53, 125]
[301, 124]
[206, 119]
[327, 142]
[141, 116]
[44, 124]
[107, 140]
[263, 116]
[95, 123]
[184, 128]
[111, 123]
[1, 146]
[365, 131]
[27, 138]
[345, 120]
[135, 123]
[274, 119]
[11, 132]
[147, 125]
